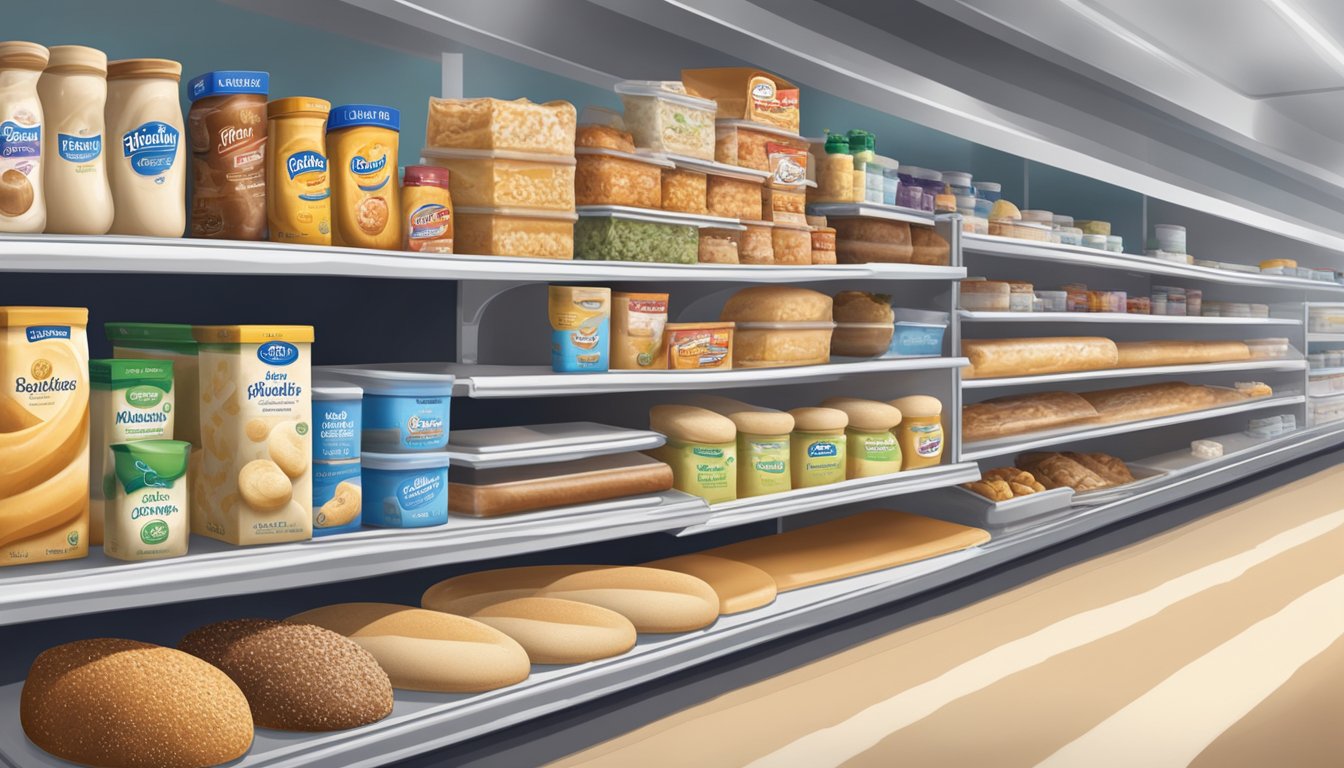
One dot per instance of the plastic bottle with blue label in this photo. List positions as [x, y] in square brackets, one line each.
[74, 175]
[22, 202]
[145, 153]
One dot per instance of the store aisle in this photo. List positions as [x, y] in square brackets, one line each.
[1220, 643]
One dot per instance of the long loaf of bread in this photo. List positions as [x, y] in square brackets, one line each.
[1029, 357]
[1139, 354]
[1150, 401]
[1019, 414]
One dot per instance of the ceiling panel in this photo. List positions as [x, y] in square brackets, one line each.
[1320, 112]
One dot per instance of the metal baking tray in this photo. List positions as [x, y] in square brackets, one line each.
[1143, 477]
[970, 508]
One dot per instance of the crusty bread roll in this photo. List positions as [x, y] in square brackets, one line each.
[1150, 401]
[296, 677]
[863, 307]
[1139, 354]
[111, 702]
[992, 358]
[861, 543]
[1019, 414]
[929, 247]
[467, 594]
[427, 650]
[776, 303]
[560, 631]
[653, 600]
[740, 587]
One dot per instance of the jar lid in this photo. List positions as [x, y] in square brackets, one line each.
[165, 68]
[812, 419]
[228, 81]
[77, 58]
[837, 144]
[17, 54]
[918, 406]
[298, 105]
[351, 115]
[425, 176]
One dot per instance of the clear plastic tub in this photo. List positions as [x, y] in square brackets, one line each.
[1053, 301]
[984, 296]
[748, 144]
[403, 411]
[514, 232]
[861, 339]
[784, 206]
[719, 246]
[931, 182]
[486, 178]
[775, 345]
[959, 183]
[685, 191]
[608, 177]
[918, 333]
[518, 125]
[664, 118]
[791, 243]
[736, 196]
[757, 244]
[988, 190]
[1021, 230]
[631, 237]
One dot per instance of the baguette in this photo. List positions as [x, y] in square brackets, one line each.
[1029, 357]
[1150, 401]
[652, 599]
[560, 631]
[1140, 354]
[1019, 414]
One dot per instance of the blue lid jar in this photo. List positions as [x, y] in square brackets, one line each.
[223, 82]
[351, 115]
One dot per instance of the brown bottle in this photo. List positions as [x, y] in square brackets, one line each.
[227, 124]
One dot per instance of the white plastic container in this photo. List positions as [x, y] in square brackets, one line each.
[22, 202]
[404, 412]
[146, 164]
[74, 175]
[1170, 237]
[662, 117]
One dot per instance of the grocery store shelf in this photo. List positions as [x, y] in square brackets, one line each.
[984, 449]
[214, 569]
[1325, 337]
[871, 211]
[968, 316]
[544, 443]
[422, 722]
[112, 253]
[1128, 373]
[742, 511]
[482, 381]
[1007, 247]
[1325, 371]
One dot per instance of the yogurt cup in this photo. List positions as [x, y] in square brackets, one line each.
[405, 490]
[337, 414]
[403, 412]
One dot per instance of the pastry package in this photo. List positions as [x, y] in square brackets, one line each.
[991, 358]
[1079, 471]
[1020, 414]
[520, 125]
[1151, 401]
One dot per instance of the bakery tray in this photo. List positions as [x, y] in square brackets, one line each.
[1143, 478]
[499, 447]
[970, 508]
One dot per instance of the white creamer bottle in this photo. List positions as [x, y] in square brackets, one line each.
[22, 206]
[145, 162]
[74, 168]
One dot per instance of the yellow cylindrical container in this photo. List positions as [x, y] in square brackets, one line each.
[871, 446]
[763, 442]
[298, 197]
[921, 431]
[818, 446]
[365, 204]
[701, 449]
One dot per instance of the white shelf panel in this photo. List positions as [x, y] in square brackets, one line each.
[212, 569]
[742, 511]
[968, 316]
[544, 443]
[1007, 247]
[1325, 337]
[871, 211]
[1325, 371]
[139, 255]
[983, 449]
[1127, 373]
[488, 381]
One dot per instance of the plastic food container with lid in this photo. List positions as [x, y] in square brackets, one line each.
[484, 178]
[1053, 301]
[609, 177]
[861, 339]
[602, 234]
[1170, 237]
[988, 190]
[735, 195]
[760, 147]
[719, 246]
[1020, 297]
[403, 411]
[1069, 235]
[918, 333]
[405, 490]
[523, 232]
[1115, 244]
[701, 449]
[985, 296]
[758, 243]
[931, 182]
[818, 446]
[791, 243]
[959, 183]
[685, 191]
[921, 431]
[1021, 230]
[1094, 241]
[823, 245]
[1039, 216]
[784, 206]
[779, 344]
[871, 448]
[337, 419]
[664, 118]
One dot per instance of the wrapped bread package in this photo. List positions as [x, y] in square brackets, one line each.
[1031, 357]
[506, 491]
[1019, 414]
[746, 93]
[866, 241]
[862, 543]
[1139, 354]
[519, 125]
[929, 247]
[1152, 401]
[777, 304]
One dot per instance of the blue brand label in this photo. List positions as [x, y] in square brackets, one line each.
[44, 332]
[306, 161]
[20, 140]
[405, 423]
[821, 450]
[338, 430]
[419, 491]
[362, 166]
[277, 353]
[78, 149]
[582, 350]
[151, 148]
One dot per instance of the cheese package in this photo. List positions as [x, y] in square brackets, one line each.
[747, 94]
[174, 343]
[255, 482]
[699, 346]
[130, 401]
[44, 435]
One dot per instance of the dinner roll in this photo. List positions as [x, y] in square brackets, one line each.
[560, 631]
[470, 592]
[296, 677]
[653, 600]
[123, 703]
[427, 650]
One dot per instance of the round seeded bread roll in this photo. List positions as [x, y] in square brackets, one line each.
[466, 594]
[122, 703]
[296, 677]
[427, 650]
[740, 587]
[560, 631]
[653, 600]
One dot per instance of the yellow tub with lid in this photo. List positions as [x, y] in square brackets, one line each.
[701, 449]
[819, 446]
[920, 432]
[763, 441]
[298, 201]
[365, 199]
[871, 445]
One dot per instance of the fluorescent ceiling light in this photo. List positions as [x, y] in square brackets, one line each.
[1325, 46]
